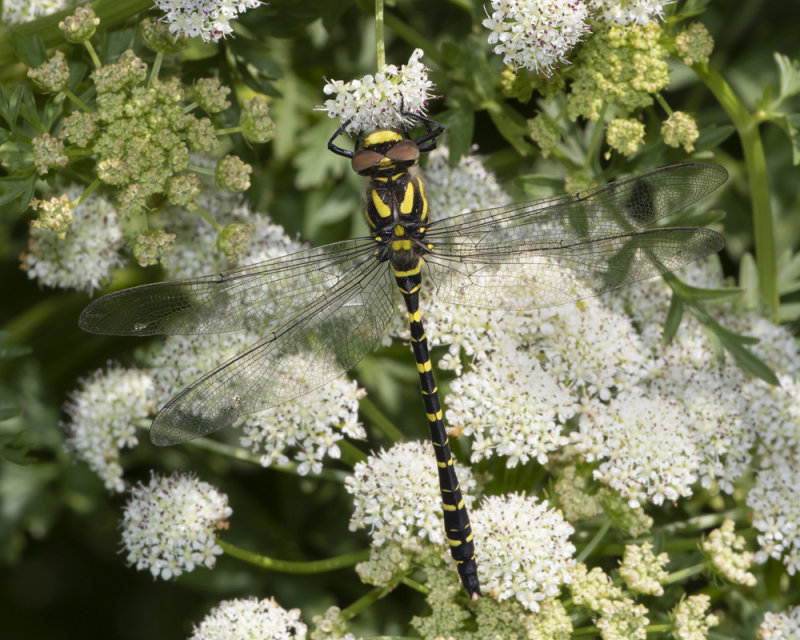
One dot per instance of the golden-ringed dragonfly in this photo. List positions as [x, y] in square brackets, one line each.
[333, 303]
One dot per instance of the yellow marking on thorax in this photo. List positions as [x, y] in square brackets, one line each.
[399, 230]
[408, 200]
[379, 137]
[401, 245]
[380, 206]
[424, 215]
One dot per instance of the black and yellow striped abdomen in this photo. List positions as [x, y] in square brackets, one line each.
[456, 518]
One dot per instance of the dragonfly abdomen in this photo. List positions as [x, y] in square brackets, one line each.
[456, 518]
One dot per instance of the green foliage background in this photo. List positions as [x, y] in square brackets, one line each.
[62, 574]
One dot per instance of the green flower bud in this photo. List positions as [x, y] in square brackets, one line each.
[52, 75]
[233, 174]
[255, 122]
[80, 26]
[211, 95]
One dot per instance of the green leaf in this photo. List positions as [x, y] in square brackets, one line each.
[459, 123]
[788, 272]
[748, 281]
[748, 360]
[14, 351]
[511, 125]
[789, 76]
[9, 105]
[15, 194]
[8, 411]
[712, 137]
[674, 317]
[788, 312]
[790, 124]
[29, 49]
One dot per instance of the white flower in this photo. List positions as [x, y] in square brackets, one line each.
[169, 525]
[780, 626]
[380, 101]
[101, 415]
[626, 12]
[310, 426]
[536, 34]
[250, 618]
[644, 447]
[776, 510]
[524, 548]
[725, 552]
[396, 495]
[19, 11]
[81, 258]
[511, 406]
[209, 19]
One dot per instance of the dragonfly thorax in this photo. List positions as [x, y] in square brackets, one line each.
[395, 207]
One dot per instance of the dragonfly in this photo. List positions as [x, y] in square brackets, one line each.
[321, 310]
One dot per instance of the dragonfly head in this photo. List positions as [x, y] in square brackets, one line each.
[385, 150]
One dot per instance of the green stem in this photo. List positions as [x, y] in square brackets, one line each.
[207, 216]
[156, 68]
[380, 421]
[601, 532]
[688, 572]
[286, 566]
[92, 54]
[87, 192]
[380, 47]
[664, 104]
[229, 130]
[80, 103]
[364, 602]
[746, 125]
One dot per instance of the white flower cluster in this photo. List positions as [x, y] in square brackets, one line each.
[250, 618]
[380, 101]
[468, 186]
[780, 626]
[396, 495]
[101, 415]
[209, 19]
[310, 427]
[537, 34]
[628, 12]
[82, 257]
[525, 549]
[512, 407]
[169, 525]
[19, 11]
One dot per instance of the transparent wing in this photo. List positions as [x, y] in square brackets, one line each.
[553, 251]
[330, 336]
[263, 294]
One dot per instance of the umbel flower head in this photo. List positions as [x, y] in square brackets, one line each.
[525, 549]
[536, 34]
[169, 526]
[209, 19]
[380, 101]
[250, 618]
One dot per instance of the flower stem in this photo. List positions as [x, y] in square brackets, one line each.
[370, 411]
[286, 566]
[601, 532]
[379, 37]
[746, 125]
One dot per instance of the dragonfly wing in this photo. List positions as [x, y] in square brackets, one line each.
[336, 331]
[250, 297]
[553, 251]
